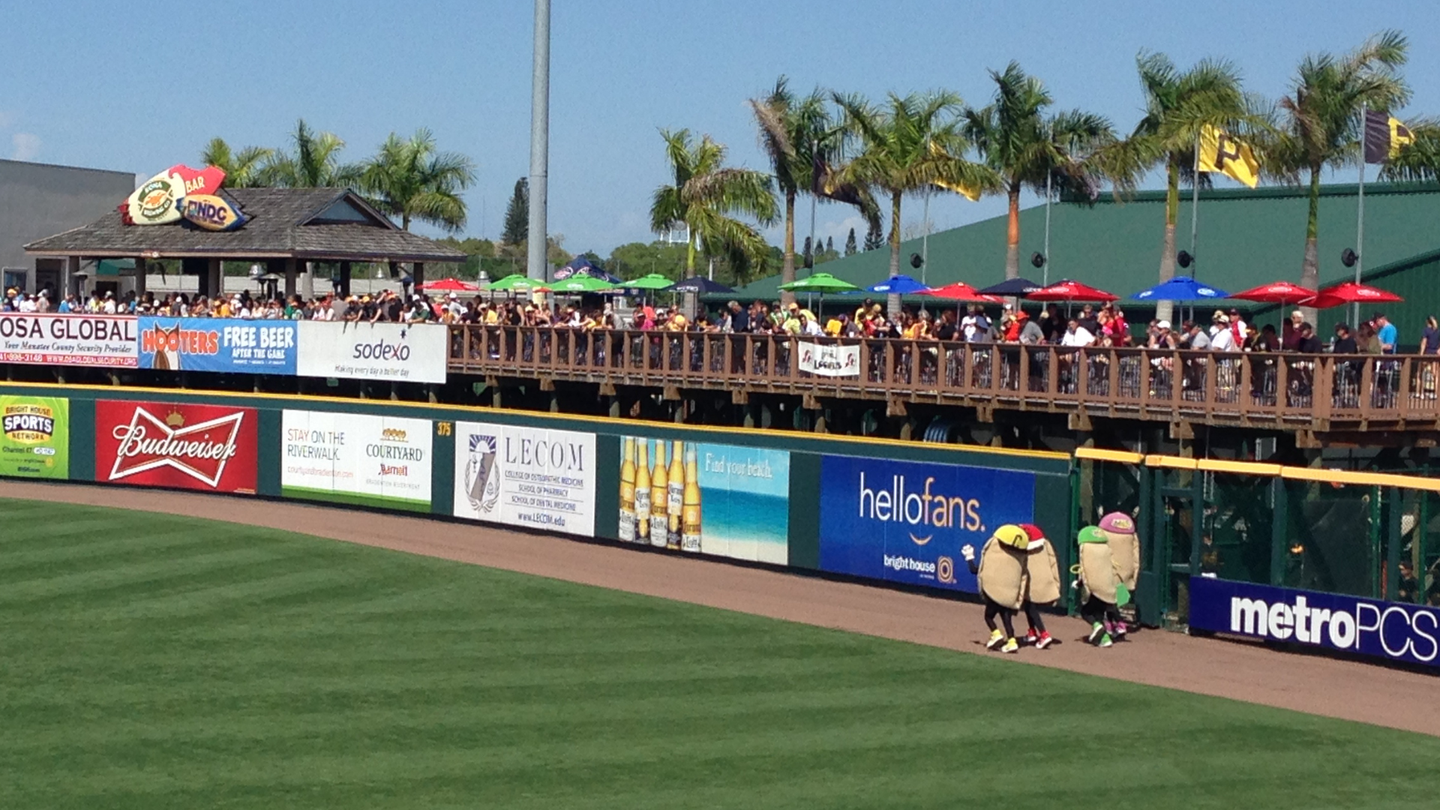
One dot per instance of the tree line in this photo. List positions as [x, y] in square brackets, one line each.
[871, 155]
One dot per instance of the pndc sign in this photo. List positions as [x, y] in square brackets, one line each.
[1389, 630]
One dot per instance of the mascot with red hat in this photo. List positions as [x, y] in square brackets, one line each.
[1042, 584]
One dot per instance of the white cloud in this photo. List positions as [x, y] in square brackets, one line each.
[27, 146]
[6, 119]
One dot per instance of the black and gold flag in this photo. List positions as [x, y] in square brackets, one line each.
[1385, 136]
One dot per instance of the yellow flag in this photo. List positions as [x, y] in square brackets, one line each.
[1230, 156]
[971, 194]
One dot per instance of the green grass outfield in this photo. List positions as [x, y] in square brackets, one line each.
[156, 662]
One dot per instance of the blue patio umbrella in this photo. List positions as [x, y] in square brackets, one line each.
[898, 285]
[1180, 288]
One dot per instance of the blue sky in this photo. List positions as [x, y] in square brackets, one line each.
[139, 87]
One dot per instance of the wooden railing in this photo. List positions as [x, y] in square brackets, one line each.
[1317, 392]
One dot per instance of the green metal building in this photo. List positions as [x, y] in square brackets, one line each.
[1246, 238]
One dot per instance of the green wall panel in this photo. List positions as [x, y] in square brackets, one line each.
[82, 439]
[805, 510]
[607, 487]
[442, 470]
[267, 454]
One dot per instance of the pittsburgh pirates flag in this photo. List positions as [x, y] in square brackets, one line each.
[1385, 136]
[1232, 157]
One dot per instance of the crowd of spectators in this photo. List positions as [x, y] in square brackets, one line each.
[1082, 327]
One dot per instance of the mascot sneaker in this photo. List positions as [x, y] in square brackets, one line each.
[1096, 631]
[1106, 641]
[1044, 641]
[996, 638]
[1011, 646]
[1120, 630]
[1031, 638]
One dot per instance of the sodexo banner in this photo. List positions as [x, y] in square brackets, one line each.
[212, 344]
[906, 521]
[374, 351]
[381, 461]
[1389, 630]
[520, 476]
[68, 340]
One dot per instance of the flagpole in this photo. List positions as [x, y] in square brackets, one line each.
[1360, 221]
[1046, 278]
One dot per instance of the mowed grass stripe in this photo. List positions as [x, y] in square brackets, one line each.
[252, 668]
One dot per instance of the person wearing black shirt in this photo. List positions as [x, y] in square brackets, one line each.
[1344, 340]
[1309, 344]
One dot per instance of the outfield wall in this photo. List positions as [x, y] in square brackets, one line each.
[889, 511]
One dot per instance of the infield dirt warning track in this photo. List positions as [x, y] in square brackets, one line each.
[1343, 689]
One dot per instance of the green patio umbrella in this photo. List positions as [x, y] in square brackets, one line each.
[819, 283]
[654, 281]
[581, 284]
[512, 283]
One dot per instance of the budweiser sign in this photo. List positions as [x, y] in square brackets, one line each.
[202, 447]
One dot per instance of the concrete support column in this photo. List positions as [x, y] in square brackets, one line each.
[307, 282]
[344, 280]
[67, 284]
[217, 278]
[419, 275]
[140, 280]
[290, 272]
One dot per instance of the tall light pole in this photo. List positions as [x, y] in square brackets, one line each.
[537, 241]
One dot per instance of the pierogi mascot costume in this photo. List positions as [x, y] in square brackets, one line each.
[1100, 587]
[1124, 542]
[1042, 584]
[1001, 575]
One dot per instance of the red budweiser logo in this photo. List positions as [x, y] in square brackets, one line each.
[200, 451]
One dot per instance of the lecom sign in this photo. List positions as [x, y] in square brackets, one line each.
[162, 444]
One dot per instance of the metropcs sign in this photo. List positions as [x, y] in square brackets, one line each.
[1389, 630]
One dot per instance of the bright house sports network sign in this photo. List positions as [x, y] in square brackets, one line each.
[181, 192]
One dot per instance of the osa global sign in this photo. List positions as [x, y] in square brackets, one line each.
[1371, 627]
[68, 340]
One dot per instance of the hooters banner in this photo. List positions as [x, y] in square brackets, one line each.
[162, 444]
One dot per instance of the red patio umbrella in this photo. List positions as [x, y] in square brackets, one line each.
[1351, 293]
[960, 291]
[1070, 290]
[449, 285]
[1278, 292]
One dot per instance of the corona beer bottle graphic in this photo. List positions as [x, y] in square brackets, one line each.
[675, 504]
[659, 499]
[690, 519]
[642, 492]
[627, 492]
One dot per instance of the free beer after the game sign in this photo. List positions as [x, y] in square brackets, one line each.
[206, 447]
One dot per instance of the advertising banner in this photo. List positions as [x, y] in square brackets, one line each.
[374, 351]
[829, 360]
[162, 444]
[905, 521]
[380, 461]
[213, 344]
[1388, 630]
[36, 438]
[520, 476]
[708, 498]
[68, 340]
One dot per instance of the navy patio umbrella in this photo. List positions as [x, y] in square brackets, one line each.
[1013, 286]
[700, 284]
[581, 266]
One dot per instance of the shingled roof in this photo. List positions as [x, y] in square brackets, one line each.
[332, 224]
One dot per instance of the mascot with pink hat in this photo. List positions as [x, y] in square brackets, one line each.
[1120, 535]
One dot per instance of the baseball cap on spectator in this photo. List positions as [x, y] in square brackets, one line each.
[1165, 325]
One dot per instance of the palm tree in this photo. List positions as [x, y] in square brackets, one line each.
[803, 143]
[1322, 120]
[908, 145]
[1025, 148]
[315, 163]
[1178, 104]
[242, 169]
[409, 179]
[705, 197]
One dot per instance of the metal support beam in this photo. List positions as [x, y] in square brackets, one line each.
[535, 261]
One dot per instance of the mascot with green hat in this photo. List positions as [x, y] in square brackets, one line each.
[1119, 530]
[1042, 584]
[1002, 578]
[1101, 589]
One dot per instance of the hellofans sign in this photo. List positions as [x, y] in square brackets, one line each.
[206, 447]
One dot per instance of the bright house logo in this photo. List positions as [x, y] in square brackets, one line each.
[1389, 630]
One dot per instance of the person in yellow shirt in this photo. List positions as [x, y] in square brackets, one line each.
[835, 326]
